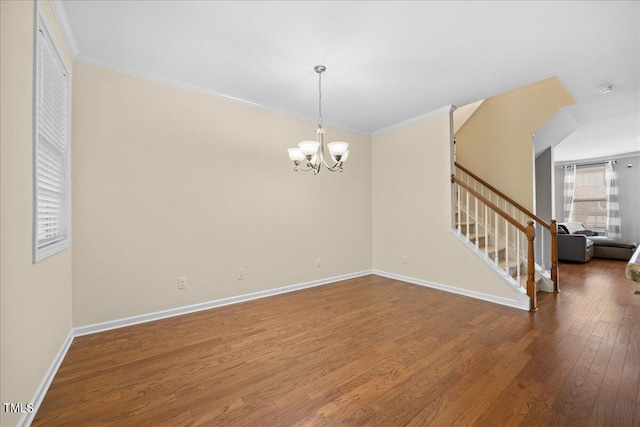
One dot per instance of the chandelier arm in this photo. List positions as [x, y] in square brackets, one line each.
[335, 168]
[315, 167]
[318, 166]
[338, 165]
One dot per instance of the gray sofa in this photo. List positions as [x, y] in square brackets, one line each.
[575, 247]
[578, 244]
[607, 247]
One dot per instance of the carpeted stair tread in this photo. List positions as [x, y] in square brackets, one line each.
[492, 249]
[512, 263]
[463, 223]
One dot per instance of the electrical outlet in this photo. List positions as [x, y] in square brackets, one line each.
[182, 283]
[405, 260]
[319, 262]
[241, 274]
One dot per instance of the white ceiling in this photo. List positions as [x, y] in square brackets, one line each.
[386, 61]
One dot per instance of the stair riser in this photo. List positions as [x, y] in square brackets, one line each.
[481, 241]
[463, 227]
[501, 254]
[513, 270]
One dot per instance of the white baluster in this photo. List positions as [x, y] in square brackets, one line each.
[506, 251]
[476, 227]
[486, 233]
[467, 206]
[459, 214]
[518, 235]
[542, 248]
[496, 241]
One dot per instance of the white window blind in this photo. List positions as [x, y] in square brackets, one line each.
[589, 204]
[51, 148]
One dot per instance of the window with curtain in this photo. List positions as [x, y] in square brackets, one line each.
[51, 148]
[589, 204]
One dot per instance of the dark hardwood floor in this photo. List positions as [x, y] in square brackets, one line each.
[368, 351]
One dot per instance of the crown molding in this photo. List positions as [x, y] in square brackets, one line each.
[169, 81]
[65, 28]
[443, 110]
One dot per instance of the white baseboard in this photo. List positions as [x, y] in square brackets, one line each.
[150, 317]
[521, 303]
[41, 391]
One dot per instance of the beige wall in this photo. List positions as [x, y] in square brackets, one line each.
[35, 298]
[171, 183]
[412, 211]
[496, 142]
[464, 113]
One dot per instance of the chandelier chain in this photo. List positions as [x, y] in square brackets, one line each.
[319, 99]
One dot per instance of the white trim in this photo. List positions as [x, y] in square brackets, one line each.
[170, 81]
[63, 22]
[545, 284]
[443, 110]
[520, 303]
[521, 296]
[150, 317]
[41, 391]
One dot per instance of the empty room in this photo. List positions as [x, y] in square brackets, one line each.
[258, 213]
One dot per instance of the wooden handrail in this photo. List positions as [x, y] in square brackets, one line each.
[489, 203]
[504, 196]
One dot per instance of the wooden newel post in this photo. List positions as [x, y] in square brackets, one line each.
[531, 266]
[554, 256]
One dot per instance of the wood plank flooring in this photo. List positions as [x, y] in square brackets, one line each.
[368, 351]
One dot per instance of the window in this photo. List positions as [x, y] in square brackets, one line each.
[51, 148]
[590, 198]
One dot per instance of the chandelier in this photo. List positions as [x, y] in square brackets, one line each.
[312, 152]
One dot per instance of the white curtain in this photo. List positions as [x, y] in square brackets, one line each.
[613, 208]
[569, 188]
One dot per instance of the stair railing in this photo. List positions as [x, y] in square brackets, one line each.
[521, 214]
[498, 230]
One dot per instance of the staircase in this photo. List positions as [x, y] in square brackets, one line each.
[496, 254]
[503, 233]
